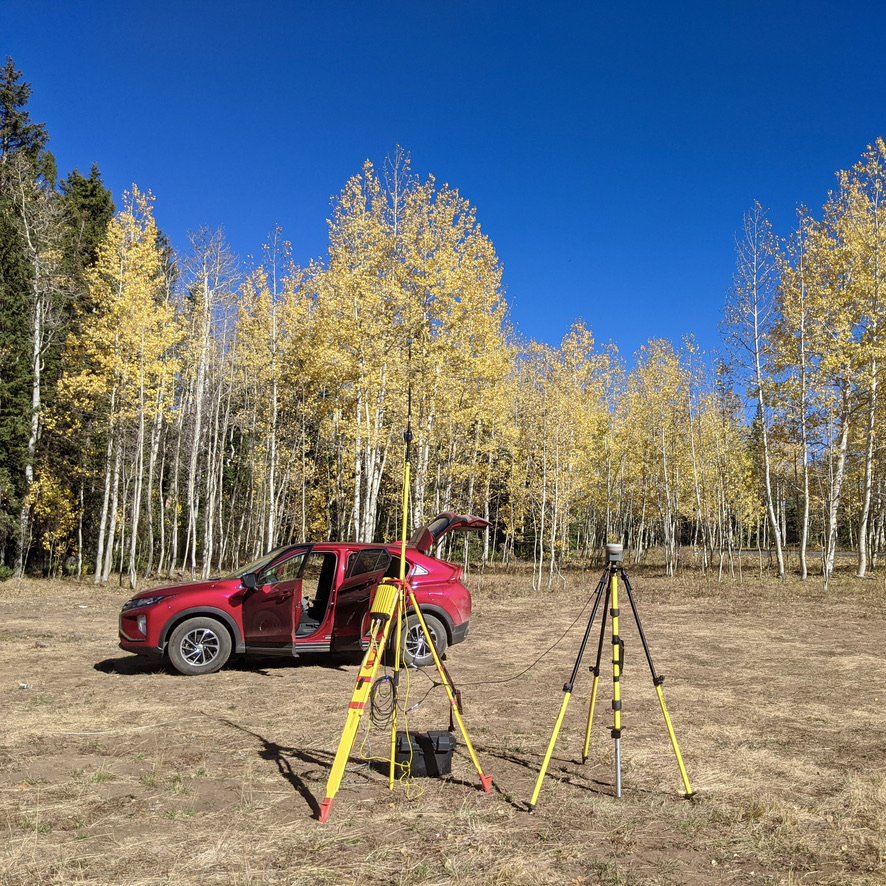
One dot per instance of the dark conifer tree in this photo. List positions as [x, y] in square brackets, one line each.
[17, 132]
[18, 136]
[89, 206]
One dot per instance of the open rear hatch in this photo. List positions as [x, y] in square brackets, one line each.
[425, 537]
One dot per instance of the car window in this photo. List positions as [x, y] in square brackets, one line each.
[373, 560]
[393, 570]
[255, 565]
[437, 526]
[285, 570]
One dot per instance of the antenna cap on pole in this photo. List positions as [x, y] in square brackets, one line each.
[614, 553]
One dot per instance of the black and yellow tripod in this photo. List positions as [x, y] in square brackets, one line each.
[392, 598]
[608, 585]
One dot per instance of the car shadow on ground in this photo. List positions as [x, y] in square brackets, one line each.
[266, 665]
[133, 665]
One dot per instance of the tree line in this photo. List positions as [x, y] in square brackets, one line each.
[166, 413]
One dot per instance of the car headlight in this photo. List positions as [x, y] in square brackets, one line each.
[141, 602]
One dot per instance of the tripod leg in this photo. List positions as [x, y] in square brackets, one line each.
[567, 690]
[596, 672]
[398, 630]
[587, 745]
[384, 609]
[616, 679]
[657, 682]
[485, 780]
[664, 710]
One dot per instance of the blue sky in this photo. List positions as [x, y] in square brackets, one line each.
[610, 149]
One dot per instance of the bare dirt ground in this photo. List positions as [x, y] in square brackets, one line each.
[115, 770]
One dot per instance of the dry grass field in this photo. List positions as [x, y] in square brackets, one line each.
[115, 770]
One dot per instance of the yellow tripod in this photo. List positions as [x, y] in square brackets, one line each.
[392, 598]
[609, 584]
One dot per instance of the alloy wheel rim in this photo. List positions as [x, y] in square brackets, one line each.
[199, 647]
[416, 642]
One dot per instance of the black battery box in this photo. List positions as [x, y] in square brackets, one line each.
[427, 754]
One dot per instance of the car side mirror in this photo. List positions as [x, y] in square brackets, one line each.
[249, 581]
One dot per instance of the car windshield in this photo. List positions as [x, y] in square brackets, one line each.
[255, 565]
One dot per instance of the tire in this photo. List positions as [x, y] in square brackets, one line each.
[416, 653]
[199, 646]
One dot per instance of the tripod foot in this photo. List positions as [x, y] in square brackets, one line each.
[486, 781]
[325, 809]
[690, 796]
[530, 808]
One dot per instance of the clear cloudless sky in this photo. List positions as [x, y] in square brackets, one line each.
[610, 149]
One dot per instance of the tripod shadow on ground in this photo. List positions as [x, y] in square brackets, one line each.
[559, 770]
[281, 756]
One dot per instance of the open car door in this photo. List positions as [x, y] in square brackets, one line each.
[425, 537]
[365, 570]
[271, 609]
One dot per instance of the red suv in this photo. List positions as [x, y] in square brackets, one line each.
[311, 597]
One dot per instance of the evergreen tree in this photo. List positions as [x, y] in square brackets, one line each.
[88, 207]
[15, 277]
[19, 138]
[17, 133]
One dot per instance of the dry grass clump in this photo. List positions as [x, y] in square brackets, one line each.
[118, 771]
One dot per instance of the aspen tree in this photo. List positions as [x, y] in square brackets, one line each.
[357, 316]
[747, 327]
[302, 408]
[210, 275]
[655, 423]
[563, 421]
[835, 350]
[738, 501]
[696, 427]
[55, 513]
[460, 357]
[258, 360]
[123, 358]
[868, 235]
[410, 300]
[40, 216]
[794, 359]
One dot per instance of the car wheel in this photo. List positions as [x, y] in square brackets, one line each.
[416, 651]
[199, 646]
